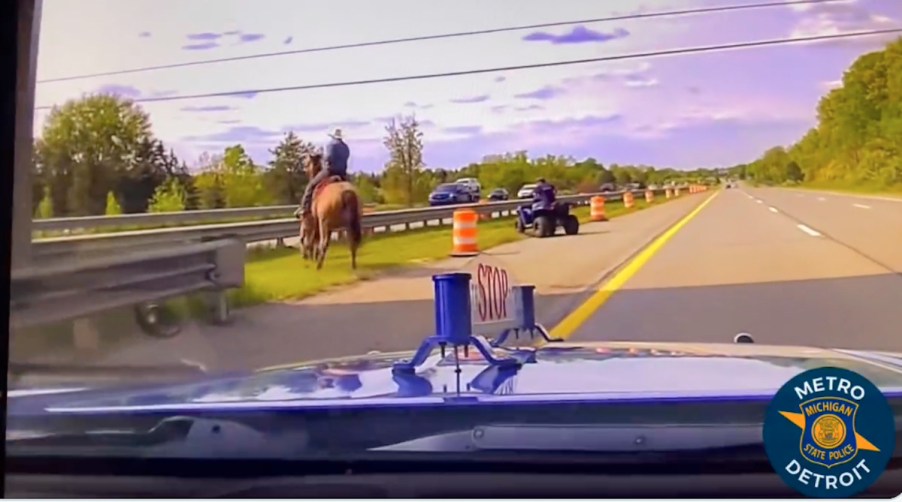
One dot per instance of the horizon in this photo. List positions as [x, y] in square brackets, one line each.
[684, 111]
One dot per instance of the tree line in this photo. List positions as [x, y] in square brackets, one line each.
[857, 141]
[98, 155]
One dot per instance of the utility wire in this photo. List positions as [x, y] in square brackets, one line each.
[672, 13]
[668, 52]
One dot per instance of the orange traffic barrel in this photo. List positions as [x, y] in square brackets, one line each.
[628, 200]
[668, 193]
[649, 196]
[676, 192]
[464, 233]
[596, 209]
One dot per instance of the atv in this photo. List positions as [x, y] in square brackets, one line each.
[544, 219]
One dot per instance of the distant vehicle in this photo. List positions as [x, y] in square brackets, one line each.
[451, 193]
[608, 187]
[499, 194]
[472, 184]
[526, 191]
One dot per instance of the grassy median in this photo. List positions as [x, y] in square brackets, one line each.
[281, 274]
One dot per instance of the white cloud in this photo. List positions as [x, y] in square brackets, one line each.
[840, 17]
[648, 82]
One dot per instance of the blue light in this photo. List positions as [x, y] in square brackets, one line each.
[452, 308]
[452, 325]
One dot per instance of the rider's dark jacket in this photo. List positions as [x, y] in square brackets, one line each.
[544, 193]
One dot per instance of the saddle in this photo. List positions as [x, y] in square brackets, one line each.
[326, 182]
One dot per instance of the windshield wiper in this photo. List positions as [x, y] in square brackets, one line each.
[589, 438]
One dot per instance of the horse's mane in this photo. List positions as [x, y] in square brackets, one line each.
[316, 162]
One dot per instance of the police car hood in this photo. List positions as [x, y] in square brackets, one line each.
[557, 372]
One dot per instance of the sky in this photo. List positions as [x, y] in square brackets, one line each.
[681, 111]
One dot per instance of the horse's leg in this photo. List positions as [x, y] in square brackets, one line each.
[325, 236]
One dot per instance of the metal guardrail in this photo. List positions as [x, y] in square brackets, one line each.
[70, 289]
[54, 248]
[209, 216]
[159, 219]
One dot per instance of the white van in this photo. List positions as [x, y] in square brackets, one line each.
[472, 184]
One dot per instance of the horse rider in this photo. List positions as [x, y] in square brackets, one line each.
[335, 163]
[544, 193]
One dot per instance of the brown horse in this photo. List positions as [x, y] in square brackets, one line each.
[336, 206]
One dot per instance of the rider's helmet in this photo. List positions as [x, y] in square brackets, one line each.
[540, 180]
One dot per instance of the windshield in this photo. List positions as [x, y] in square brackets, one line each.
[229, 209]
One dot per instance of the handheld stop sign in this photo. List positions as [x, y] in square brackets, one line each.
[492, 299]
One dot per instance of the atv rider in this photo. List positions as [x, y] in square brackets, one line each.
[544, 195]
[335, 160]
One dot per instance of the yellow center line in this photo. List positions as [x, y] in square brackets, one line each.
[581, 314]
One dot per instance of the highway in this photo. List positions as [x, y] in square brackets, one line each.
[789, 267]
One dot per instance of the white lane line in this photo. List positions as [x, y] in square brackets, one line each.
[821, 199]
[808, 230]
[759, 201]
[861, 196]
[773, 210]
[861, 206]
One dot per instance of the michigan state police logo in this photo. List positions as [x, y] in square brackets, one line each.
[829, 432]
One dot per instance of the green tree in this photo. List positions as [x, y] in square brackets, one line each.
[367, 189]
[285, 180]
[403, 181]
[242, 181]
[169, 197]
[112, 205]
[208, 187]
[45, 207]
[86, 147]
[858, 137]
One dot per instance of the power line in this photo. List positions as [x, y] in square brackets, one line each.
[669, 52]
[672, 13]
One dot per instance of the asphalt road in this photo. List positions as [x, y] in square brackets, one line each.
[790, 267]
[395, 311]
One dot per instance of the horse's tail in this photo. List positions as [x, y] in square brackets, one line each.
[351, 204]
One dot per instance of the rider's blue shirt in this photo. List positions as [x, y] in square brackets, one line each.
[337, 155]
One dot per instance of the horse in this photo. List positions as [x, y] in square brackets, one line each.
[336, 205]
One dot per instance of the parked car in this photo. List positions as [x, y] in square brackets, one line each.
[608, 187]
[472, 184]
[499, 194]
[526, 191]
[451, 193]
